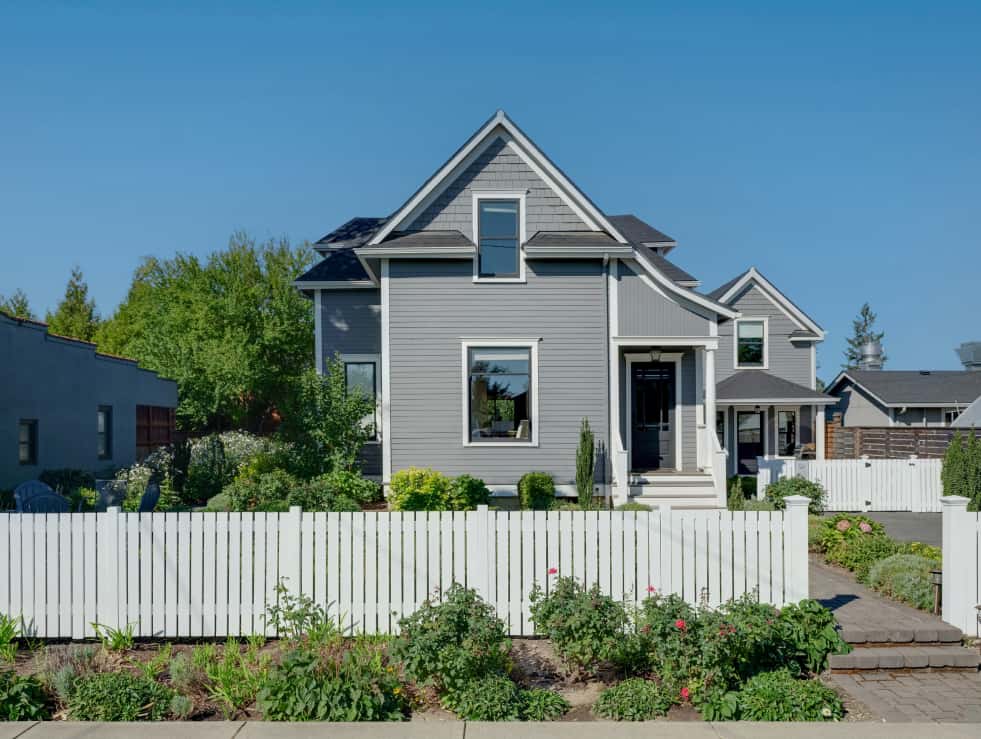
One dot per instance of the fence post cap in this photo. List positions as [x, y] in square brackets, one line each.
[482, 508]
[795, 501]
[118, 509]
[954, 501]
[296, 509]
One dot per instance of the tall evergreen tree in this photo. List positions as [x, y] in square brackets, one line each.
[17, 305]
[75, 315]
[863, 328]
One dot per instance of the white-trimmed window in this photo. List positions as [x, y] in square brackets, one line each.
[950, 415]
[500, 393]
[361, 371]
[786, 432]
[750, 342]
[499, 232]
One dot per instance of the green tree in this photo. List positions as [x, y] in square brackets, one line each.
[230, 329]
[585, 464]
[17, 305]
[324, 423]
[863, 330]
[954, 473]
[75, 315]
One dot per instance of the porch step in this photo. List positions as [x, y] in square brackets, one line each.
[670, 478]
[910, 634]
[906, 657]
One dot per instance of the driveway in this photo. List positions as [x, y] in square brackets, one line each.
[922, 527]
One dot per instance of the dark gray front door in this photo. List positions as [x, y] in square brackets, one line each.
[652, 415]
[749, 440]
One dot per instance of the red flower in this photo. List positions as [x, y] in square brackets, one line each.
[553, 571]
[651, 589]
[680, 624]
[685, 694]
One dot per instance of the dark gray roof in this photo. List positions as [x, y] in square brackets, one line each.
[355, 232]
[723, 289]
[637, 231]
[670, 270]
[572, 239]
[435, 239]
[338, 265]
[915, 387]
[760, 385]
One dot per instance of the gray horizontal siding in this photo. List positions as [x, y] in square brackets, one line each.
[641, 311]
[498, 168]
[435, 304]
[350, 322]
[787, 360]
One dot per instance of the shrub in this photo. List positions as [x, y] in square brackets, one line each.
[777, 491]
[335, 491]
[633, 507]
[922, 550]
[278, 490]
[666, 641]
[862, 553]
[22, 698]
[585, 464]
[118, 696]
[67, 481]
[234, 680]
[539, 704]
[737, 499]
[961, 472]
[811, 632]
[490, 698]
[9, 631]
[466, 493]
[453, 643]
[745, 483]
[759, 505]
[354, 686]
[418, 489]
[299, 618]
[586, 627]
[536, 491]
[842, 528]
[634, 699]
[905, 577]
[779, 696]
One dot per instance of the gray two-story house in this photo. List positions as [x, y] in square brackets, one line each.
[498, 306]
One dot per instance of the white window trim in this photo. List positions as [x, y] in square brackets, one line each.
[376, 360]
[724, 410]
[465, 346]
[766, 342]
[675, 358]
[521, 197]
[776, 428]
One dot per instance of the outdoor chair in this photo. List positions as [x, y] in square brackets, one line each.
[34, 496]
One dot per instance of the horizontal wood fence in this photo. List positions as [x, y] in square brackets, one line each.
[214, 574]
[893, 442]
[962, 566]
[864, 484]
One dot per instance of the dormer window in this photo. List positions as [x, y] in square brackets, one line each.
[498, 234]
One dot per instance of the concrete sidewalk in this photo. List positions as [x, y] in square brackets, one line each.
[477, 730]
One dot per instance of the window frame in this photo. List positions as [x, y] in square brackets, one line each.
[945, 414]
[517, 195]
[532, 345]
[374, 359]
[108, 432]
[33, 442]
[724, 440]
[777, 410]
[766, 342]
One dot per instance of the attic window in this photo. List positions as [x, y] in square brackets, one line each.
[751, 343]
[498, 238]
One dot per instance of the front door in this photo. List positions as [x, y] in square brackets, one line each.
[749, 440]
[652, 416]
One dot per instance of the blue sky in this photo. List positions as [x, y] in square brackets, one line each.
[835, 147]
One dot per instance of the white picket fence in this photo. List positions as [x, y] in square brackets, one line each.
[962, 566]
[214, 574]
[911, 484]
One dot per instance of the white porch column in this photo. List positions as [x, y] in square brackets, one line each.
[819, 431]
[710, 390]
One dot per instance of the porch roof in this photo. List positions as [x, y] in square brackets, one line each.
[758, 387]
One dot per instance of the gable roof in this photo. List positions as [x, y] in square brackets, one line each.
[500, 126]
[637, 231]
[970, 417]
[914, 388]
[750, 386]
[339, 265]
[355, 232]
[727, 292]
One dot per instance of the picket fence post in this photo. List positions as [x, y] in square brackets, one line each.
[290, 546]
[797, 576]
[959, 561]
[107, 570]
[482, 572]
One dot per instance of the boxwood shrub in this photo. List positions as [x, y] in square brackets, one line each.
[777, 491]
[536, 491]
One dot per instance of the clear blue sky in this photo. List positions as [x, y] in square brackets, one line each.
[835, 147]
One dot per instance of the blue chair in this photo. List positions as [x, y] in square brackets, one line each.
[150, 497]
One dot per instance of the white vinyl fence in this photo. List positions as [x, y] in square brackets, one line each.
[213, 574]
[962, 565]
[911, 484]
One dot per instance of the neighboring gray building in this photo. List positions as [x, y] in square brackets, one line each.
[498, 306]
[65, 405]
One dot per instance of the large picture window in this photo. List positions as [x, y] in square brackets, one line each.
[363, 377]
[500, 394]
[786, 433]
[498, 238]
[750, 343]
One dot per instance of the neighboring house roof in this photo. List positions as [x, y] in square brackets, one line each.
[914, 388]
[340, 264]
[727, 292]
[970, 417]
[759, 386]
[355, 232]
[637, 231]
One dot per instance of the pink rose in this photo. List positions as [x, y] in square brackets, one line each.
[864, 527]
[651, 589]
[553, 571]
[843, 525]
[685, 694]
[680, 624]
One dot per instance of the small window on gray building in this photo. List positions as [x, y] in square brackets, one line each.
[361, 375]
[750, 344]
[497, 240]
[104, 431]
[786, 433]
[27, 441]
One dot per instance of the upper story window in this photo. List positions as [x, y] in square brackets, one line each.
[104, 431]
[27, 441]
[750, 343]
[498, 238]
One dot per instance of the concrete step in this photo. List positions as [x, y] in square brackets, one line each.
[911, 633]
[905, 658]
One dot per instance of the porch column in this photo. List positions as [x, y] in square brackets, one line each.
[710, 395]
[819, 431]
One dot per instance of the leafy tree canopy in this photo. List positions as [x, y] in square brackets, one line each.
[75, 315]
[16, 305]
[863, 330]
[230, 329]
